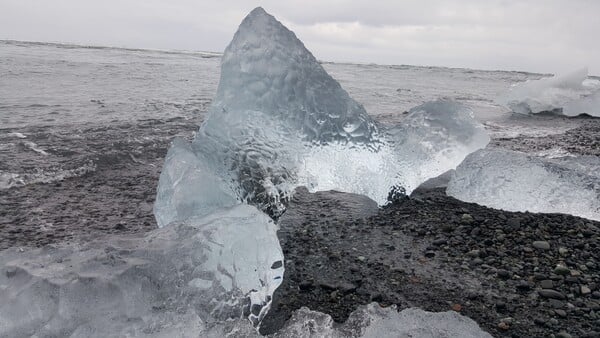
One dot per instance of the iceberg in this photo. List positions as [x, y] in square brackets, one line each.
[518, 182]
[180, 280]
[279, 121]
[570, 94]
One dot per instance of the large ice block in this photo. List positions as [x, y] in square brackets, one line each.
[518, 182]
[176, 281]
[570, 94]
[279, 121]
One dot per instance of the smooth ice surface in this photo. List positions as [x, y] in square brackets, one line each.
[373, 321]
[179, 281]
[193, 184]
[518, 182]
[571, 94]
[279, 121]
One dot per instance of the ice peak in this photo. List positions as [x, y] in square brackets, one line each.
[266, 68]
[258, 11]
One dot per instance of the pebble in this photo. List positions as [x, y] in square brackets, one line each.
[439, 242]
[561, 270]
[466, 219]
[541, 245]
[585, 290]
[523, 286]
[552, 294]
[473, 253]
[561, 313]
[504, 274]
[546, 284]
[305, 285]
[563, 334]
[503, 326]
[513, 223]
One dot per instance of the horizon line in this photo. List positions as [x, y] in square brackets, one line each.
[219, 54]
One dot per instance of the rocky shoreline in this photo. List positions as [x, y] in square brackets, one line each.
[515, 274]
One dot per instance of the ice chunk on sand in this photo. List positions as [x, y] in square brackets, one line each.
[178, 280]
[373, 321]
[518, 182]
[571, 94]
[279, 121]
[164, 285]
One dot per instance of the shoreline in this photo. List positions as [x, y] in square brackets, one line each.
[437, 253]
[421, 251]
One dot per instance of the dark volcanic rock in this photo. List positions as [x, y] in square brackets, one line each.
[323, 234]
[549, 293]
[486, 262]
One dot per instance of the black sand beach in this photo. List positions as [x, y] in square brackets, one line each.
[516, 274]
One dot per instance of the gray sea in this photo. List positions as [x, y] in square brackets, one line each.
[53, 95]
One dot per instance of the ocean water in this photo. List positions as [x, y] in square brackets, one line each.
[51, 84]
[53, 95]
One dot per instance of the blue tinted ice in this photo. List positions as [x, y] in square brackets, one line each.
[518, 182]
[177, 281]
[279, 121]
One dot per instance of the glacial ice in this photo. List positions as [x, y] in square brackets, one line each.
[571, 95]
[589, 105]
[176, 281]
[518, 182]
[192, 183]
[279, 121]
[373, 321]
[165, 285]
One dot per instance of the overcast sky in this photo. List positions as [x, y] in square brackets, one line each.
[535, 35]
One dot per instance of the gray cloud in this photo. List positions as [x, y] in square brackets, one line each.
[536, 35]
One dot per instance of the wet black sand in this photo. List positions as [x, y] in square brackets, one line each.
[116, 197]
[437, 253]
[429, 251]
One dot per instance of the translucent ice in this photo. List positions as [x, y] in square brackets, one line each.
[373, 321]
[589, 105]
[193, 185]
[571, 94]
[518, 182]
[177, 281]
[279, 121]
